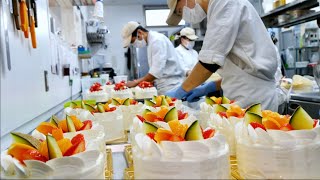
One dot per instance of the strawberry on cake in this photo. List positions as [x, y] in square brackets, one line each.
[274, 146]
[97, 93]
[145, 90]
[121, 91]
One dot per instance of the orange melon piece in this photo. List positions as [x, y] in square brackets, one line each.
[106, 107]
[17, 149]
[177, 128]
[150, 116]
[163, 111]
[77, 123]
[270, 123]
[158, 101]
[57, 134]
[44, 149]
[64, 144]
[46, 128]
[63, 125]
[162, 135]
[216, 100]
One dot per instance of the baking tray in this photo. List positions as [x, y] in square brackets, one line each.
[129, 171]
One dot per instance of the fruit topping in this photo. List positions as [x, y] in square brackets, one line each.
[218, 100]
[145, 84]
[257, 125]
[109, 83]
[126, 102]
[95, 87]
[300, 119]
[164, 114]
[208, 133]
[120, 86]
[53, 148]
[25, 139]
[161, 100]
[286, 127]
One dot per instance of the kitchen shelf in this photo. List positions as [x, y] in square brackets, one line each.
[84, 56]
[269, 18]
[304, 47]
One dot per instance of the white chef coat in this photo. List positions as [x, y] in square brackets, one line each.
[237, 40]
[164, 62]
[189, 58]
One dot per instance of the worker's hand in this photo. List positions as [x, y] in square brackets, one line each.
[201, 90]
[133, 83]
[178, 93]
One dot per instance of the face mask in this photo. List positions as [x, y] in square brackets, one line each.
[190, 45]
[195, 15]
[139, 43]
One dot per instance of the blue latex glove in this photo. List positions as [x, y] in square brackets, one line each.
[178, 93]
[201, 90]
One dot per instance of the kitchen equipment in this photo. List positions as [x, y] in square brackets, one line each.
[35, 14]
[15, 8]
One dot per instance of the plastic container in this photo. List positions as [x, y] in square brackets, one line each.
[118, 79]
[104, 78]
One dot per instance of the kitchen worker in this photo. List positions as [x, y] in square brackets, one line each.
[165, 66]
[237, 41]
[188, 55]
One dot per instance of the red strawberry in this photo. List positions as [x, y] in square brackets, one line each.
[33, 154]
[208, 133]
[257, 125]
[182, 115]
[232, 101]
[112, 109]
[141, 118]
[76, 148]
[223, 114]
[151, 135]
[86, 125]
[286, 127]
[173, 99]
[175, 138]
[171, 104]
[133, 102]
[78, 138]
[315, 122]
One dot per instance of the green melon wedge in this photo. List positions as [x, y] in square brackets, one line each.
[171, 115]
[115, 102]
[147, 102]
[25, 139]
[54, 120]
[225, 100]
[144, 112]
[255, 108]
[149, 127]
[300, 119]
[220, 108]
[194, 132]
[126, 102]
[250, 117]
[101, 108]
[53, 148]
[70, 125]
[209, 101]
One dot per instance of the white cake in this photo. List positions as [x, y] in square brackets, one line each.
[122, 94]
[129, 113]
[108, 88]
[142, 93]
[89, 164]
[112, 123]
[276, 154]
[201, 159]
[99, 96]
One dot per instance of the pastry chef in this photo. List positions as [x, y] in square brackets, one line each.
[165, 66]
[237, 41]
[188, 55]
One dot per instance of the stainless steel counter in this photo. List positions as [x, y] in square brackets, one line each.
[310, 102]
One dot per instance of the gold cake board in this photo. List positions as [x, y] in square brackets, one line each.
[129, 171]
[119, 140]
[108, 173]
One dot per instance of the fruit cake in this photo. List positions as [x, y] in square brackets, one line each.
[121, 91]
[145, 90]
[97, 93]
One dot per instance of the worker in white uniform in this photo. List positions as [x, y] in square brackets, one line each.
[237, 41]
[188, 55]
[165, 68]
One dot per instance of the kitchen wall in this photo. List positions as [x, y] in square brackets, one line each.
[116, 17]
[24, 101]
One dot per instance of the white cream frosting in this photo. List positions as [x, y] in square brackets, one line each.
[275, 154]
[88, 164]
[108, 88]
[99, 96]
[80, 113]
[122, 94]
[203, 159]
[142, 93]
[112, 123]
[225, 126]
[206, 110]
[129, 112]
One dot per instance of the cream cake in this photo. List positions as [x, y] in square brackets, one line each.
[210, 106]
[225, 123]
[184, 151]
[145, 90]
[108, 87]
[121, 91]
[74, 157]
[97, 93]
[130, 108]
[274, 146]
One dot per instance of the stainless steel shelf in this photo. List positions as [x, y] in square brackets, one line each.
[269, 18]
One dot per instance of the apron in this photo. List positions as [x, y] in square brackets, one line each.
[247, 89]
